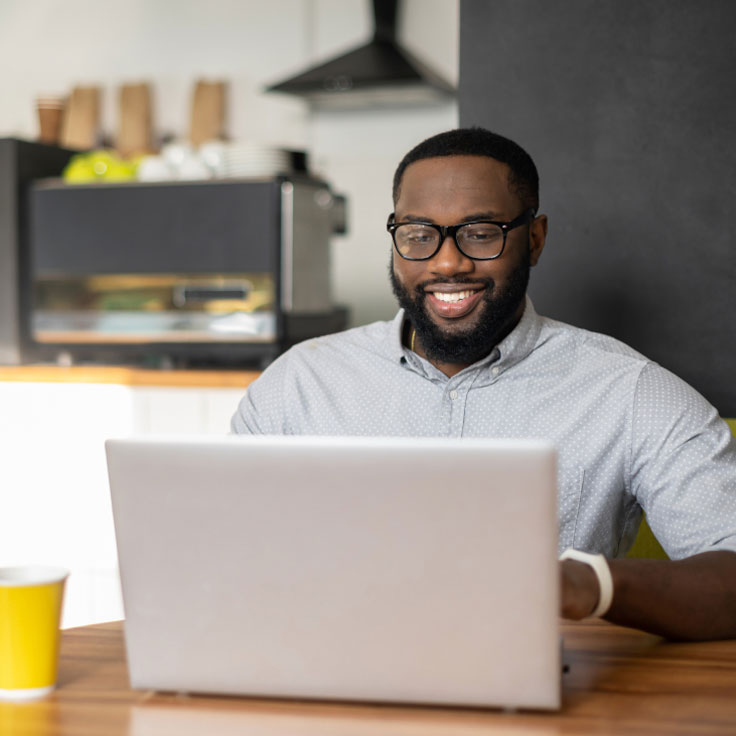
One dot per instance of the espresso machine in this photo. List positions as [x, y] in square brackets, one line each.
[218, 272]
[21, 163]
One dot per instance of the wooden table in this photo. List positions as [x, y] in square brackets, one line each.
[620, 681]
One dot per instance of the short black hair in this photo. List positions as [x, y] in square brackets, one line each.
[523, 180]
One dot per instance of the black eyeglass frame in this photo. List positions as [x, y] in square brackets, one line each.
[444, 230]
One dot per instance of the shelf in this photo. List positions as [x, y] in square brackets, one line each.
[128, 376]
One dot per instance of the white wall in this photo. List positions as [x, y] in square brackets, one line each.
[55, 504]
[47, 46]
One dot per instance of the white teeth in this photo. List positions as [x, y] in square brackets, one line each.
[452, 296]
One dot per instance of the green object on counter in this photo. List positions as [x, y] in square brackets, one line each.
[100, 165]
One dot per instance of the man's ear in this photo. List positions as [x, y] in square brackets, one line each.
[537, 237]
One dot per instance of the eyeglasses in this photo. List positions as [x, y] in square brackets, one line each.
[482, 240]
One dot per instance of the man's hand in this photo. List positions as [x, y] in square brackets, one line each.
[694, 598]
[579, 589]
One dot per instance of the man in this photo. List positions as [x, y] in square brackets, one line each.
[467, 355]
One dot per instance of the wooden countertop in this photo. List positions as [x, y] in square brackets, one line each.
[620, 681]
[127, 376]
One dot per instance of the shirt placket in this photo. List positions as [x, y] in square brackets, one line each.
[455, 400]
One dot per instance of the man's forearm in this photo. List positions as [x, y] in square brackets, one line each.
[693, 598]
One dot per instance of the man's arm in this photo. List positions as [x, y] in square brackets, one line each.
[693, 598]
[682, 473]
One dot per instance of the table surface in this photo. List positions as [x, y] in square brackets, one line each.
[619, 681]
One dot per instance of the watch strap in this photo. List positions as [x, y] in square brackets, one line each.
[602, 572]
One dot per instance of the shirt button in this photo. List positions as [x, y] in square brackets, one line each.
[453, 394]
[495, 371]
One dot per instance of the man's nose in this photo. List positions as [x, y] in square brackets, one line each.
[449, 260]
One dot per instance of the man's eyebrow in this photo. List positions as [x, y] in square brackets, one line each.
[484, 216]
[415, 218]
[408, 217]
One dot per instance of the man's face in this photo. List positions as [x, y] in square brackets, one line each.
[459, 307]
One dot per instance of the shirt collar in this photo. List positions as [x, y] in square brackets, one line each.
[522, 339]
[397, 350]
[511, 350]
[407, 357]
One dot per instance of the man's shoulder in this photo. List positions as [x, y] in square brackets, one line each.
[372, 333]
[355, 346]
[333, 362]
[584, 342]
[603, 361]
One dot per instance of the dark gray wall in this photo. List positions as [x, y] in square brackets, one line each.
[629, 109]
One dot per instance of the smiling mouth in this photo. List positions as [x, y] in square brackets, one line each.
[453, 303]
[454, 296]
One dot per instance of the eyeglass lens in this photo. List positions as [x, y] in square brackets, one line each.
[477, 240]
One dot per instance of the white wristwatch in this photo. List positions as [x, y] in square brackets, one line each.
[602, 572]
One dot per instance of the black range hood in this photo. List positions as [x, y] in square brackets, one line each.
[380, 73]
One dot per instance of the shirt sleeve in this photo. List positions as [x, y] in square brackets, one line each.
[683, 466]
[263, 408]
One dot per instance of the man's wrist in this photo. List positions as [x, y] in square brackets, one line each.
[600, 567]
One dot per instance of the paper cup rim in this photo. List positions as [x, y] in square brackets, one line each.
[25, 575]
[51, 102]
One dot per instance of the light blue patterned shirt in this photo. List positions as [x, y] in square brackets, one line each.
[630, 435]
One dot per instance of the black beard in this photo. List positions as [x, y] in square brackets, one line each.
[472, 344]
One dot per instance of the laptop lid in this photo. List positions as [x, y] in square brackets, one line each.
[395, 570]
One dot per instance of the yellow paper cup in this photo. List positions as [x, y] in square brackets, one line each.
[30, 611]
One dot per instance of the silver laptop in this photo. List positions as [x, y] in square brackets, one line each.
[391, 570]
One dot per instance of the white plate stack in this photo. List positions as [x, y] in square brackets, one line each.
[242, 160]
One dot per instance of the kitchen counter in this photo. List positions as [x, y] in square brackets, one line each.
[127, 376]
